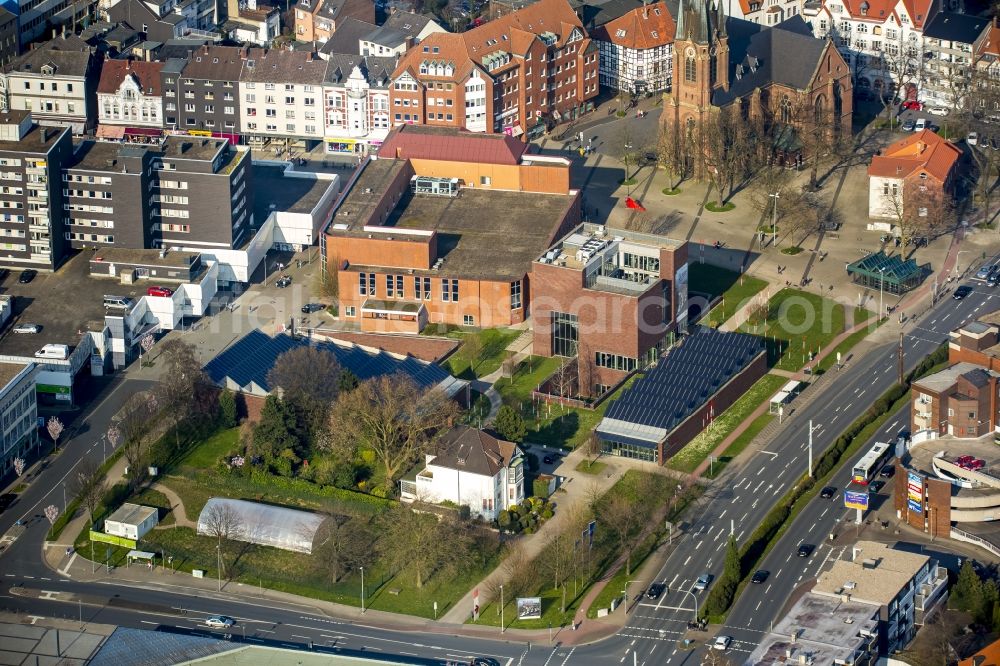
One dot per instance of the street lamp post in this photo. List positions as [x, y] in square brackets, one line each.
[881, 284]
[625, 592]
[218, 555]
[501, 610]
[362, 589]
[628, 185]
[774, 218]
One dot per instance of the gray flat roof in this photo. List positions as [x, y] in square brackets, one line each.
[172, 259]
[133, 514]
[8, 371]
[295, 195]
[96, 155]
[191, 147]
[33, 142]
[940, 381]
[827, 629]
[64, 304]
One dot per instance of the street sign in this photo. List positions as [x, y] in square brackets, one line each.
[856, 500]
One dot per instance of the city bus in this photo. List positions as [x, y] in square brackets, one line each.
[870, 463]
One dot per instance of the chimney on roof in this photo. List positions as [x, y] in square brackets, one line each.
[921, 147]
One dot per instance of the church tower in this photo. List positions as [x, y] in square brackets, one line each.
[701, 62]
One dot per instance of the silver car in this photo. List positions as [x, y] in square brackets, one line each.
[701, 584]
[27, 328]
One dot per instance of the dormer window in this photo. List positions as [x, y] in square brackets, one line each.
[620, 34]
[437, 49]
[48, 70]
[427, 49]
[864, 9]
[406, 26]
[657, 11]
[655, 34]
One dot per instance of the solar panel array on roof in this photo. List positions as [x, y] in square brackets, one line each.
[249, 359]
[151, 648]
[685, 378]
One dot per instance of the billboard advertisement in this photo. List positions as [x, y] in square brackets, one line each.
[529, 608]
[854, 499]
[914, 492]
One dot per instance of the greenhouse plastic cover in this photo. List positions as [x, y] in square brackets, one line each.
[267, 525]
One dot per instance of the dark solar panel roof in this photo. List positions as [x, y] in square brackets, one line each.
[685, 378]
[151, 648]
[251, 357]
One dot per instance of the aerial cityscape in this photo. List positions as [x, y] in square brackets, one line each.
[500, 332]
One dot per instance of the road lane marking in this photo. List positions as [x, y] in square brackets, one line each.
[685, 564]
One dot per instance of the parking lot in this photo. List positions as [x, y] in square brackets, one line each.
[63, 304]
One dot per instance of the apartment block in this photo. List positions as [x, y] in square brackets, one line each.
[610, 297]
[281, 95]
[410, 243]
[905, 588]
[516, 75]
[960, 401]
[400, 32]
[31, 201]
[950, 41]
[202, 98]
[10, 45]
[19, 413]
[109, 195]
[56, 82]
[188, 193]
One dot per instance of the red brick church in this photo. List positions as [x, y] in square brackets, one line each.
[721, 61]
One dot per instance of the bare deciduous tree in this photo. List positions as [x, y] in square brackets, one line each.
[224, 524]
[559, 559]
[415, 542]
[179, 391]
[134, 424]
[392, 417]
[725, 140]
[86, 484]
[618, 513]
[672, 154]
[343, 546]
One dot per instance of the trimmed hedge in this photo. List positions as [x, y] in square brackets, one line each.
[723, 593]
[306, 489]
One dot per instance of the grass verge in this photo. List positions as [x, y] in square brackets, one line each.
[695, 451]
[716, 207]
[738, 445]
[481, 352]
[590, 466]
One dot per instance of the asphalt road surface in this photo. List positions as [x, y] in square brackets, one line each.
[735, 503]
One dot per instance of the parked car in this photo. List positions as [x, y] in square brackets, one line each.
[972, 139]
[27, 328]
[548, 460]
[160, 291]
[309, 308]
[283, 281]
[994, 143]
[828, 492]
[887, 472]
[912, 105]
[962, 292]
[908, 125]
[27, 275]
[701, 584]
[875, 486]
[760, 576]
[965, 459]
[4, 272]
[219, 621]
[938, 110]
[920, 124]
[805, 549]
[722, 643]
[655, 590]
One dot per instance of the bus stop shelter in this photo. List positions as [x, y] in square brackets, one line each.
[785, 395]
[889, 273]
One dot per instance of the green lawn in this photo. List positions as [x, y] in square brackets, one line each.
[798, 323]
[738, 444]
[590, 467]
[208, 453]
[492, 343]
[736, 296]
[698, 449]
[155, 498]
[712, 280]
[616, 586]
[845, 347]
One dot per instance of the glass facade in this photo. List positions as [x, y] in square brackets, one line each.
[634, 451]
[565, 334]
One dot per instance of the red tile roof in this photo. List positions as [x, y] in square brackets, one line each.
[642, 28]
[441, 143]
[988, 656]
[146, 73]
[923, 151]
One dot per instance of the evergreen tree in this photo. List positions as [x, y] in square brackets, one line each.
[509, 424]
[227, 408]
[277, 429]
[988, 602]
[967, 594]
[347, 381]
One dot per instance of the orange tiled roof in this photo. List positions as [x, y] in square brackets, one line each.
[512, 33]
[990, 656]
[991, 45]
[923, 151]
[642, 28]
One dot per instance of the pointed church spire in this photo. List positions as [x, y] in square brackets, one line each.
[720, 26]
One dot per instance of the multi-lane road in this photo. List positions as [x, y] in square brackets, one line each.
[735, 503]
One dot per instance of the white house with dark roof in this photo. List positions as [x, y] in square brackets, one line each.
[400, 31]
[130, 93]
[356, 102]
[473, 468]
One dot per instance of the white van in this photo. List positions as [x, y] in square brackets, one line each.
[60, 352]
[921, 124]
[117, 303]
